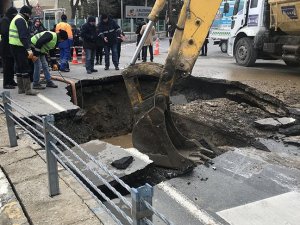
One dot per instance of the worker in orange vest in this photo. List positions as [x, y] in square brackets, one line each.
[65, 46]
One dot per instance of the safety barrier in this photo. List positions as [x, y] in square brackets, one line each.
[138, 211]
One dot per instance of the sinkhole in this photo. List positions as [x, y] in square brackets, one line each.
[219, 111]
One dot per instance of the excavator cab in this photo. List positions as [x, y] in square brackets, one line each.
[154, 132]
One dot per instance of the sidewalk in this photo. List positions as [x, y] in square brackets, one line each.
[26, 168]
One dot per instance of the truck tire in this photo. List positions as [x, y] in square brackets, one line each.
[223, 46]
[244, 52]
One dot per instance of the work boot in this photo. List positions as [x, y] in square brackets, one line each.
[51, 84]
[38, 86]
[21, 89]
[27, 87]
[13, 83]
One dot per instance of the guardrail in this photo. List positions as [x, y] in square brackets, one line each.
[43, 130]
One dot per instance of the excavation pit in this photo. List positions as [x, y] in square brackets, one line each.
[219, 111]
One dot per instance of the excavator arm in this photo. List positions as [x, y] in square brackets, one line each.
[154, 132]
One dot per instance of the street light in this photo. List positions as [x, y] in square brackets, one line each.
[122, 16]
[98, 9]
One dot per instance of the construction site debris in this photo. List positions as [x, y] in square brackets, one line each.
[122, 163]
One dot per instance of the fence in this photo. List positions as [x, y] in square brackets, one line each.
[43, 130]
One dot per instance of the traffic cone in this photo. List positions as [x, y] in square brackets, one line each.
[83, 56]
[156, 50]
[74, 58]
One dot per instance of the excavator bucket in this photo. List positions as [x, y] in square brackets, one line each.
[154, 132]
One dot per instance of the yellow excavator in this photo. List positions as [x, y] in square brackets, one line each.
[154, 132]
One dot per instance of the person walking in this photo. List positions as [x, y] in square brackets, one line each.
[65, 46]
[148, 43]
[109, 30]
[139, 36]
[7, 58]
[89, 36]
[41, 44]
[19, 40]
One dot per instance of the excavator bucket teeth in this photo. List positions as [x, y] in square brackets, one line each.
[156, 135]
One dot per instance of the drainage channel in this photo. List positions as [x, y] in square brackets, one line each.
[216, 110]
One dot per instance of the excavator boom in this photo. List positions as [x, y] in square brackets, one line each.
[154, 132]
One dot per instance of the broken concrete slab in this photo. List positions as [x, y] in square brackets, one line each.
[267, 124]
[103, 153]
[294, 140]
[295, 111]
[293, 130]
[286, 121]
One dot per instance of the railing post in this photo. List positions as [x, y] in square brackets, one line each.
[10, 123]
[53, 181]
[139, 209]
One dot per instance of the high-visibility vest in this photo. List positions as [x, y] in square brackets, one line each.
[46, 47]
[14, 38]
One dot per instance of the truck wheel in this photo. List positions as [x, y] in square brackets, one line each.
[292, 64]
[223, 47]
[245, 54]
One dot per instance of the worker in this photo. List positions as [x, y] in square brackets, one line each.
[41, 44]
[109, 30]
[65, 46]
[19, 40]
[7, 58]
[89, 36]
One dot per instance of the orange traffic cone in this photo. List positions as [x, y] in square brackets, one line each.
[74, 58]
[156, 50]
[83, 56]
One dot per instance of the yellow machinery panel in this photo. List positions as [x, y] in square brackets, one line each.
[199, 18]
[285, 15]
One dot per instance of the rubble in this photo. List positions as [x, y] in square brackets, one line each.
[294, 140]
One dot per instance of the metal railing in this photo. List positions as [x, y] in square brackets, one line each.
[138, 211]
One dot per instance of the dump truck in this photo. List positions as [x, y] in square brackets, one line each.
[154, 132]
[221, 27]
[265, 29]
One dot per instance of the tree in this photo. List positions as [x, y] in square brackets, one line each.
[74, 7]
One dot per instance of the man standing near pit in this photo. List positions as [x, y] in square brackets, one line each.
[41, 44]
[19, 40]
[89, 36]
[65, 46]
[7, 58]
[109, 30]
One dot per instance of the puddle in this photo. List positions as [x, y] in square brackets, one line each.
[124, 141]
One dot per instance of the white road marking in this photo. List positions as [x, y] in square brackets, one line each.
[278, 210]
[50, 102]
[187, 204]
[180, 198]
